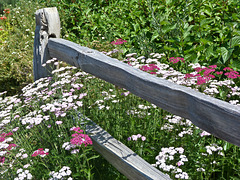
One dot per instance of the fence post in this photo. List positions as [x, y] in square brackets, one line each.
[47, 26]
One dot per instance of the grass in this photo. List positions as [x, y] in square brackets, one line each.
[40, 136]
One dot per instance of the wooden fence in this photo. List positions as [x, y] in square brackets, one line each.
[212, 115]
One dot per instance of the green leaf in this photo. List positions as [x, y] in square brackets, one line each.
[226, 53]
[209, 52]
[165, 23]
[235, 41]
[236, 65]
[191, 57]
[169, 48]
[155, 36]
[168, 28]
[206, 21]
[227, 146]
[205, 41]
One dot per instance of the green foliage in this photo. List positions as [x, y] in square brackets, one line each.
[16, 46]
[200, 31]
[5, 3]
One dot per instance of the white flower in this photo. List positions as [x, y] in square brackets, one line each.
[19, 170]
[24, 155]
[3, 145]
[26, 166]
[2, 153]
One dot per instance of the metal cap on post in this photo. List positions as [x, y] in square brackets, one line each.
[47, 26]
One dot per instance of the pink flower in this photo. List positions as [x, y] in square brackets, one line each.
[40, 152]
[208, 71]
[211, 76]
[9, 134]
[2, 139]
[201, 80]
[151, 67]
[213, 66]
[80, 139]
[143, 138]
[198, 69]
[232, 74]
[2, 159]
[188, 76]
[10, 146]
[227, 68]
[118, 41]
[77, 129]
[219, 72]
[176, 60]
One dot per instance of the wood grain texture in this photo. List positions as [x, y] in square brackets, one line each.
[120, 156]
[47, 25]
[210, 114]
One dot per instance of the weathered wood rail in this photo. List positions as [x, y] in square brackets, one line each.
[212, 115]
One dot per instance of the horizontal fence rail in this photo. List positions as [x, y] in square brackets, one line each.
[215, 116]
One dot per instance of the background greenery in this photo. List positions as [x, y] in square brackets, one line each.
[201, 31]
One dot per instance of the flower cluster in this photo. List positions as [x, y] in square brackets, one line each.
[175, 60]
[40, 152]
[151, 68]
[5, 147]
[3, 17]
[204, 74]
[166, 155]
[214, 148]
[118, 41]
[136, 137]
[62, 174]
[231, 74]
[6, 11]
[79, 138]
[22, 154]
[22, 174]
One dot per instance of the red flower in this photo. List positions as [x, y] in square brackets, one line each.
[7, 11]
[3, 17]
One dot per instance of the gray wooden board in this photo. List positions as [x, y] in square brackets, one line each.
[213, 115]
[120, 156]
[47, 25]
